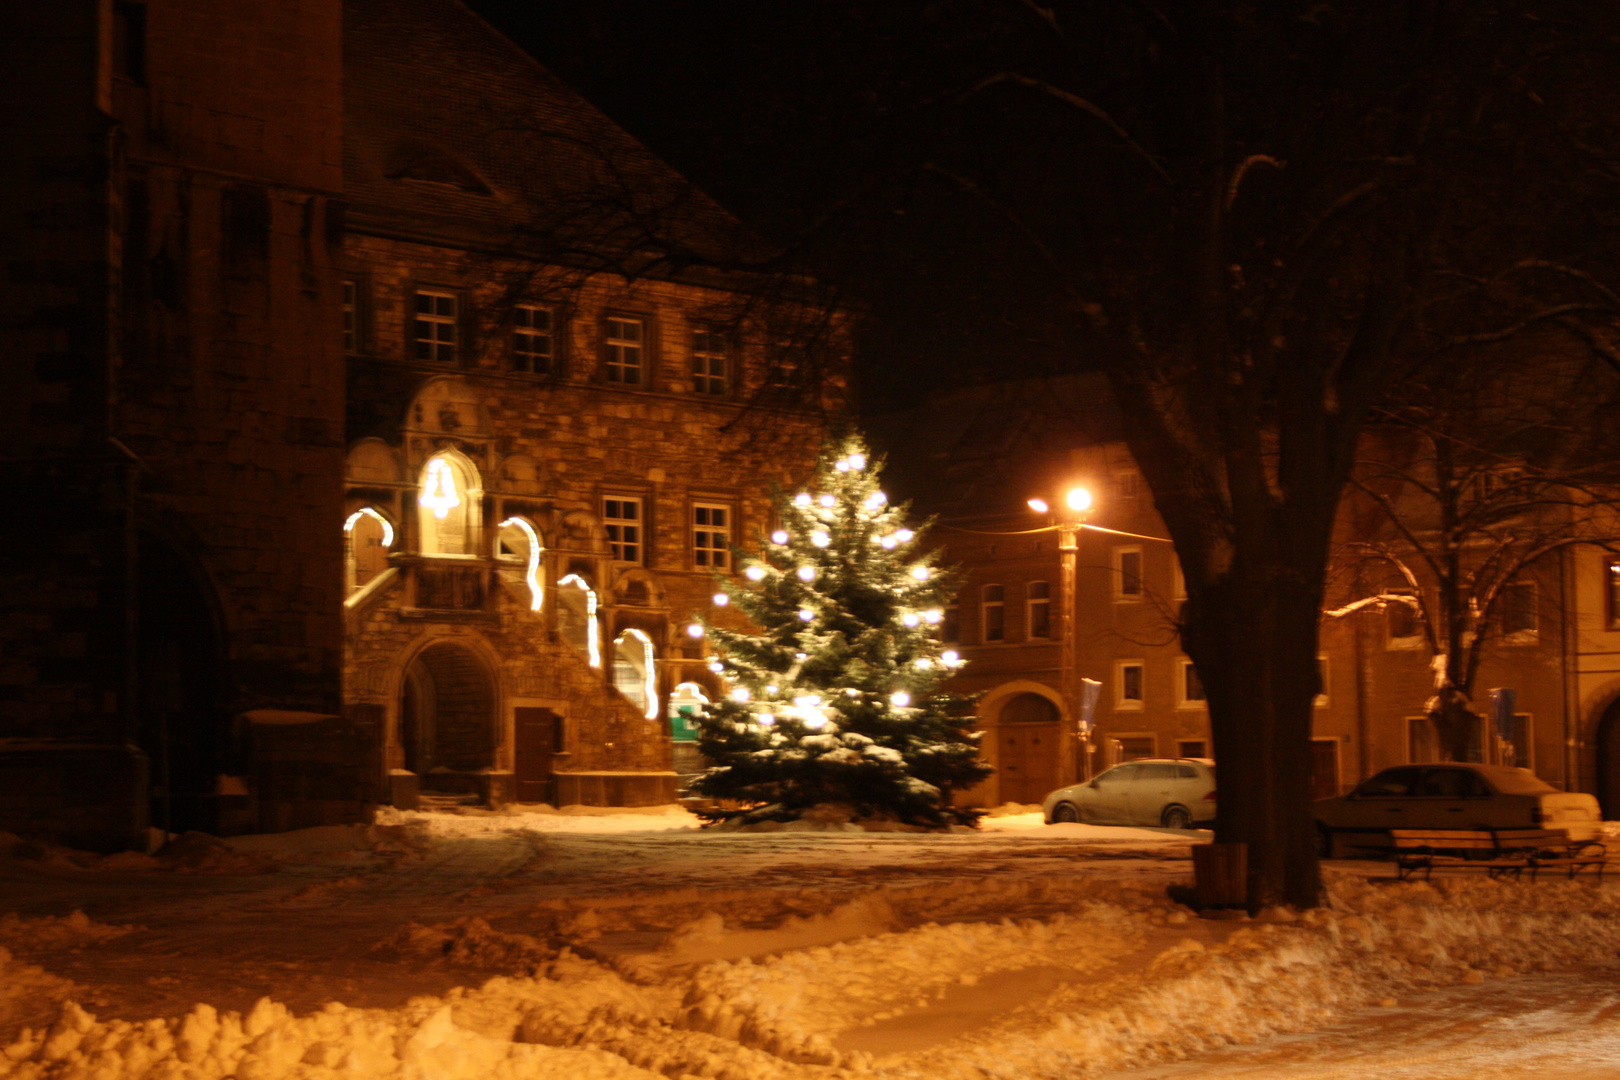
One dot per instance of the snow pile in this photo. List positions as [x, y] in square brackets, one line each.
[25, 987]
[52, 932]
[1092, 974]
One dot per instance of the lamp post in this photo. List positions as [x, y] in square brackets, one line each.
[1077, 504]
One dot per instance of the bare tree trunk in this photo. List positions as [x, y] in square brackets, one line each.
[1455, 725]
[1254, 632]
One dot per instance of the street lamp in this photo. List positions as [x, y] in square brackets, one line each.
[1077, 502]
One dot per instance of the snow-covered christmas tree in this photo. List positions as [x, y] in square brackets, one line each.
[832, 696]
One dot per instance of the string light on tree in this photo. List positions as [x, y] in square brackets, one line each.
[841, 673]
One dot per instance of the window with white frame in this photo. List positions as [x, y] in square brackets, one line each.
[1129, 691]
[437, 325]
[534, 343]
[624, 350]
[1516, 612]
[1189, 688]
[622, 518]
[1127, 573]
[711, 535]
[711, 363]
[1039, 604]
[992, 613]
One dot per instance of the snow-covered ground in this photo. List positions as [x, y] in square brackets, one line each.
[620, 944]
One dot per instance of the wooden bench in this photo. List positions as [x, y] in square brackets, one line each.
[1499, 852]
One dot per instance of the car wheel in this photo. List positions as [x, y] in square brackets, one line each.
[1176, 817]
[1324, 841]
[1065, 812]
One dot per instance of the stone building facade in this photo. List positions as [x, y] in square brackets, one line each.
[258, 297]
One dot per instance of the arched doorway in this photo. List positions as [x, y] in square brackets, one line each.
[447, 719]
[1608, 761]
[179, 663]
[1027, 747]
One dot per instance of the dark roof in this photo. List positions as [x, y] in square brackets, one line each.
[983, 450]
[454, 134]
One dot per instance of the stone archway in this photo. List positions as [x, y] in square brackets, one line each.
[1608, 760]
[447, 711]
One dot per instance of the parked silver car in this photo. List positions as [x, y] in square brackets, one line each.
[1176, 793]
[1451, 795]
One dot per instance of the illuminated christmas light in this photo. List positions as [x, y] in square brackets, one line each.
[771, 689]
[875, 500]
[807, 573]
[439, 488]
[933, 615]
[532, 576]
[905, 536]
[801, 499]
[828, 502]
[595, 650]
[889, 542]
[842, 466]
[951, 657]
[820, 538]
[814, 720]
[923, 663]
[366, 511]
[755, 573]
[857, 461]
[801, 656]
[900, 699]
[806, 614]
[694, 630]
[807, 701]
[649, 674]
[740, 695]
[717, 667]
[910, 619]
[780, 536]
[920, 573]
[766, 719]
[720, 599]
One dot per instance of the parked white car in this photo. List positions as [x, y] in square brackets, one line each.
[1451, 795]
[1176, 793]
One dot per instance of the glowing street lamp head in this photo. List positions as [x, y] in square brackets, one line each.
[1039, 506]
[1079, 499]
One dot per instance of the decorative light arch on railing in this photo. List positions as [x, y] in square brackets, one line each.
[593, 649]
[647, 667]
[531, 575]
[366, 511]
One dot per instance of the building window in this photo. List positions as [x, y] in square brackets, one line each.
[1131, 747]
[1401, 627]
[369, 535]
[1127, 485]
[1518, 749]
[1127, 573]
[1516, 612]
[1040, 609]
[1189, 688]
[1192, 748]
[624, 350]
[129, 41]
[950, 630]
[711, 535]
[710, 363]
[447, 506]
[576, 618]
[437, 327]
[622, 517]
[351, 316]
[533, 340]
[1128, 684]
[993, 615]
[1611, 573]
[1421, 745]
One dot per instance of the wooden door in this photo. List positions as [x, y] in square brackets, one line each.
[1028, 754]
[536, 739]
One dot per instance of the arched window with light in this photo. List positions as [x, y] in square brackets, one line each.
[634, 671]
[576, 618]
[447, 499]
[518, 551]
[367, 538]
